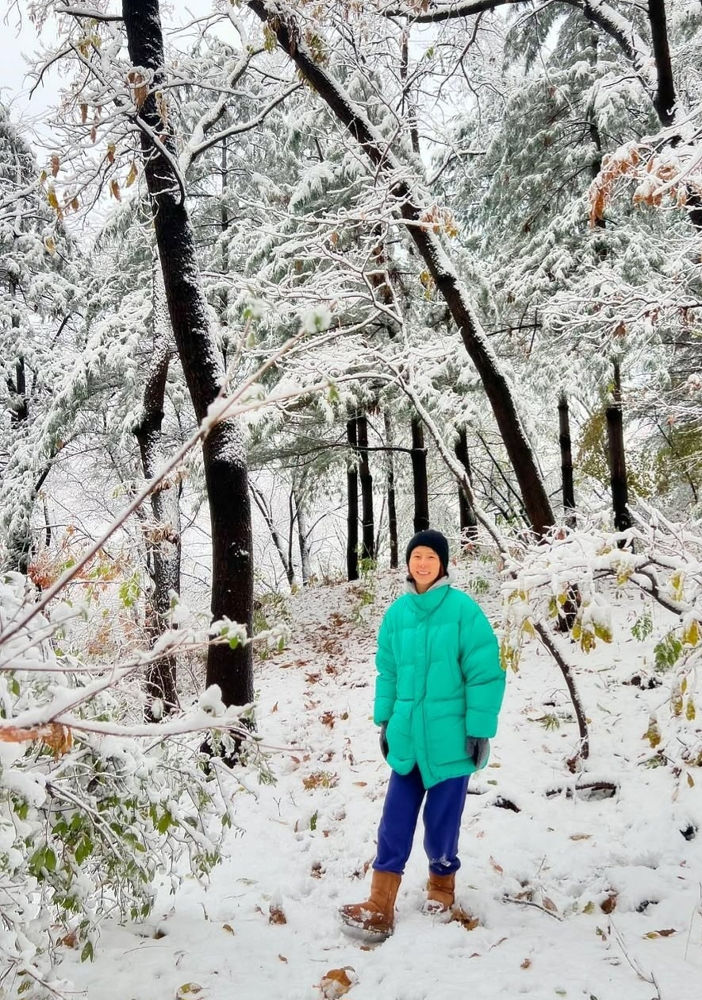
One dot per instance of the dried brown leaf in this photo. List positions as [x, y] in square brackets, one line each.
[464, 918]
[276, 914]
[610, 903]
[337, 982]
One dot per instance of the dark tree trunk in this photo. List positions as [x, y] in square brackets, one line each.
[364, 472]
[392, 508]
[494, 381]
[352, 491]
[664, 100]
[419, 477]
[162, 535]
[617, 458]
[226, 474]
[566, 462]
[468, 520]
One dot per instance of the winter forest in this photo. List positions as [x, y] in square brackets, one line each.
[282, 283]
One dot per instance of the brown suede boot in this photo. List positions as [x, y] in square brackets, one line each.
[376, 917]
[440, 893]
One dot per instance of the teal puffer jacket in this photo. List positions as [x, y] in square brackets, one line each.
[439, 680]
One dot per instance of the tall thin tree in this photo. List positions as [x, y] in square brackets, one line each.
[224, 455]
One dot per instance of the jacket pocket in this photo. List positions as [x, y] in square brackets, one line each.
[399, 731]
[447, 735]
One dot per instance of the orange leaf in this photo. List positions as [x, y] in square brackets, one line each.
[56, 736]
[610, 903]
[337, 982]
[464, 918]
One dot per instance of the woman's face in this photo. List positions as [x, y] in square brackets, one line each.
[424, 567]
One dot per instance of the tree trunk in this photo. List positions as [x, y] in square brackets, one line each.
[367, 518]
[616, 456]
[419, 477]
[392, 508]
[664, 100]
[409, 206]
[226, 473]
[468, 520]
[566, 462]
[617, 468]
[302, 531]
[162, 534]
[352, 491]
[267, 514]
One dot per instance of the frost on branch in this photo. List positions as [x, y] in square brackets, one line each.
[87, 821]
[662, 562]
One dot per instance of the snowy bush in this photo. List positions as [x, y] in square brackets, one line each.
[574, 578]
[89, 822]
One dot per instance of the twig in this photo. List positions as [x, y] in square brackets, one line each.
[530, 902]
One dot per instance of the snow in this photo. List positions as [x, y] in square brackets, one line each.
[536, 880]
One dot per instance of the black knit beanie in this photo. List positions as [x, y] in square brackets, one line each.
[433, 540]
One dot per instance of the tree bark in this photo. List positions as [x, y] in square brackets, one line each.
[226, 473]
[410, 208]
[617, 466]
[267, 515]
[364, 472]
[467, 518]
[566, 462]
[419, 477]
[162, 535]
[392, 507]
[302, 531]
[352, 492]
[664, 99]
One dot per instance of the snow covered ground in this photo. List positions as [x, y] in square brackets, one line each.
[570, 896]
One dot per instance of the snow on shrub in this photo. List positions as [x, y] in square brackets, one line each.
[89, 822]
[569, 577]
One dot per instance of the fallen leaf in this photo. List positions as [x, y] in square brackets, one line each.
[526, 964]
[498, 868]
[188, 990]
[283, 958]
[609, 904]
[229, 928]
[464, 918]
[337, 982]
[580, 836]
[276, 915]
[548, 904]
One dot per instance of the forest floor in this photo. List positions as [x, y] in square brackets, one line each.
[573, 895]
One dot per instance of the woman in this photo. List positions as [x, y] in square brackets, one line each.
[439, 689]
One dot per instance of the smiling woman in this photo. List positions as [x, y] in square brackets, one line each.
[438, 693]
[427, 559]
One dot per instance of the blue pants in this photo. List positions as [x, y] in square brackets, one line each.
[442, 822]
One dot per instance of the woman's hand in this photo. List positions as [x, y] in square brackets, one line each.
[478, 749]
